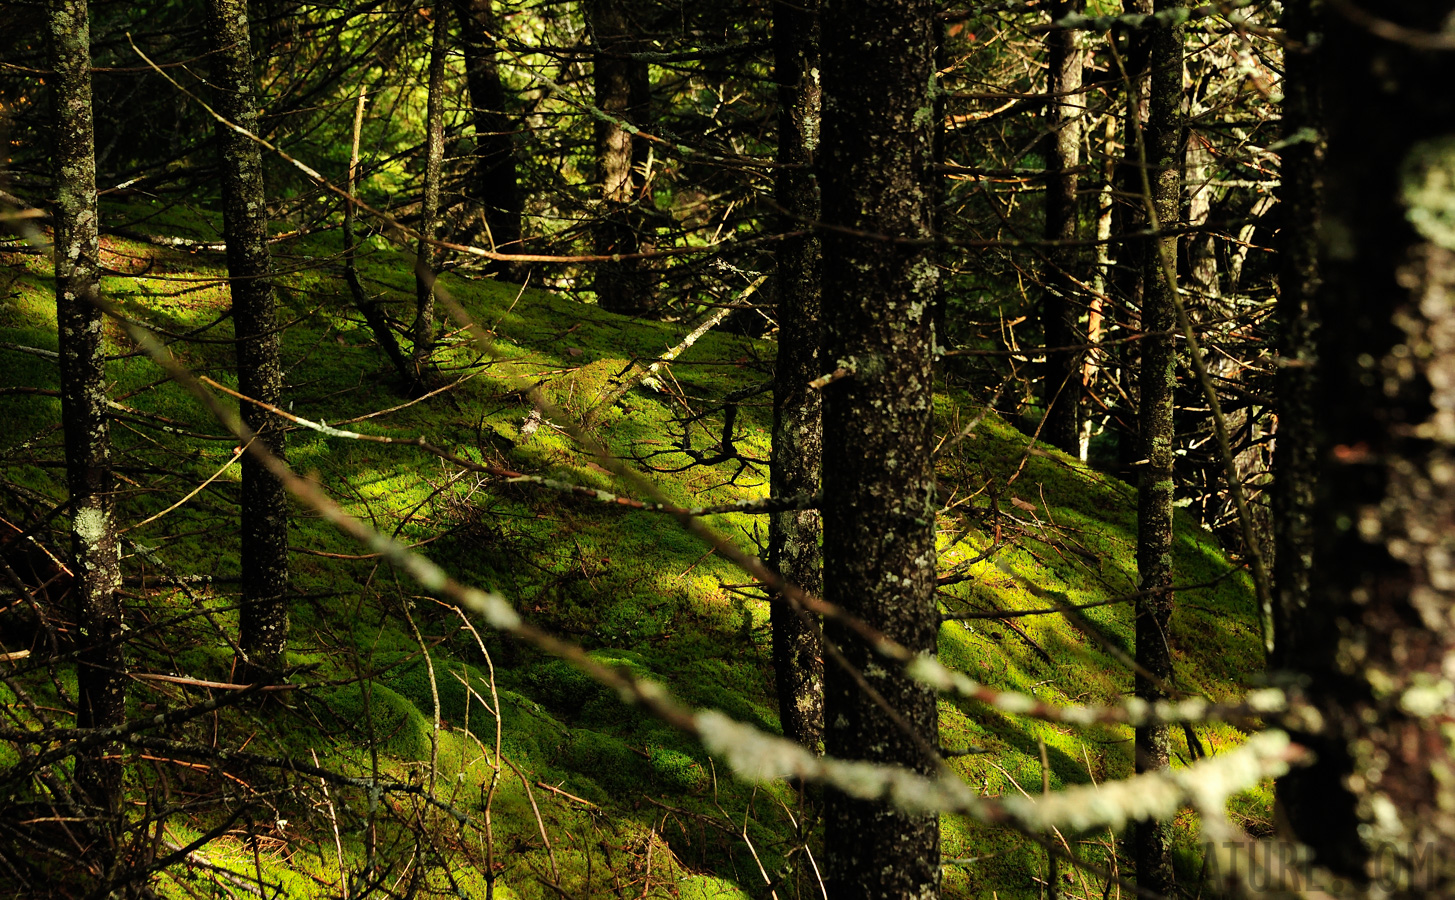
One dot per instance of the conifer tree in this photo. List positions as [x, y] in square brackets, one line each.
[879, 485]
[264, 619]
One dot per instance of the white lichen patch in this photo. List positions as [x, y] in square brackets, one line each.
[91, 525]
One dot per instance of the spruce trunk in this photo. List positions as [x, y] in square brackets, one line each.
[879, 486]
[264, 618]
[793, 535]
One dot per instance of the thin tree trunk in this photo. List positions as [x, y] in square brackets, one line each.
[1096, 312]
[1152, 844]
[623, 93]
[1060, 308]
[879, 484]
[793, 536]
[1130, 217]
[264, 617]
[1376, 644]
[101, 665]
[369, 307]
[424, 264]
[1295, 457]
[492, 176]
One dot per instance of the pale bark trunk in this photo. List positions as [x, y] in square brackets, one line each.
[424, 264]
[879, 484]
[264, 617]
[793, 536]
[623, 93]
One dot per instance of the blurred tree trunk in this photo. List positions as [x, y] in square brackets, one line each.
[101, 666]
[424, 264]
[492, 176]
[1377, 646]
[1152, 841]
[1060, 303]
[264, 617]
[623, 92]
[793, 536]
[879, 484]
[1295, 455]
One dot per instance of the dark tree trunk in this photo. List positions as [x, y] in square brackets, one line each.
[1295, 457]
[101, 666]
[879, 484]
[1153, 611]
[264, 617]
[492, 177]
[1060, 306]
[623, 93]
[1377, 644]
[1130, 217]
[793, 537]
[434, 155]
[939, 183]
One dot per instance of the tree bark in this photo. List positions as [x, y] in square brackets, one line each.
[1295, 453]
[492, 176]
[101, 665]
[623, 94]
[1376, 644]
[1153, 611]
[424, 264]
[793, 536]
[1060, 308]
[1128, 275]
[264, 617]
[879, 484]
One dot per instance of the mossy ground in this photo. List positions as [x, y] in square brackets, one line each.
[626, 803]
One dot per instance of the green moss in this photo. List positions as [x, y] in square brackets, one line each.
[677, 771]
[365, 710]
[707, 887]
[608, 760]
[631, 587]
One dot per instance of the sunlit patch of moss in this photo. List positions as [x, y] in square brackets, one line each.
[708, 887]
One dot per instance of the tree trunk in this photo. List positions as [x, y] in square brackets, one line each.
[1153, 611]
[492, 177]
[1377, 644]
[1060, 306]
[264, 616]
[1295, 454]
[101, 666]
[879, 484]
[424, 264]
[793, 536]
[1130, 217]
[623, 93]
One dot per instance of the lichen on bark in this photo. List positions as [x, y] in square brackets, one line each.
[879, 486]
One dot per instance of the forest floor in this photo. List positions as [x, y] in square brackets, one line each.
[588, 796]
